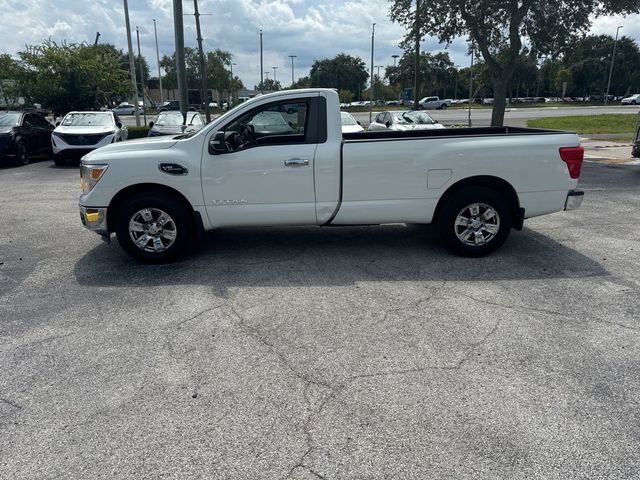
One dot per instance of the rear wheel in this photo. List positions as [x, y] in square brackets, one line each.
[474, 222]
[154, 227]
[22, 154]
[443, 107]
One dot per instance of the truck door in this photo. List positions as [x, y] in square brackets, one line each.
[264, 175]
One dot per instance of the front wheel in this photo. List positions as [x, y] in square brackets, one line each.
[154, 227]
[443, 107]
[474, 222]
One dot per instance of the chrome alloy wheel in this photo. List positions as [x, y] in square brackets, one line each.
[152, 230]
[477, 224]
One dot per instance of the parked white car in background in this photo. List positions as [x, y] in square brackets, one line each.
[632, 100]
[350, 124]
[407, 120]
[126, 108]
[81, 132]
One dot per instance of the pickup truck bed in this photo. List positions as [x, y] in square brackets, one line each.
[281, 159]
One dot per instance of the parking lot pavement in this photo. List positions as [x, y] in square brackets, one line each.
[361, 352]
[607, 151]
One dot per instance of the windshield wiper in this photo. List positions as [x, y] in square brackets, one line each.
[404, 115]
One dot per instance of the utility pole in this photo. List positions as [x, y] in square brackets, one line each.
[373, 36]
[155, 30]
[97, 37]
[232, 89]
[261, 66]
[144, 112]
[132, 64]
[416, 79]
[470, 83]
[274, 75]
[181, 70]
[615, 43]
[292, 57]
[203, 71]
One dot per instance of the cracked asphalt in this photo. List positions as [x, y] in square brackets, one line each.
[303, 353]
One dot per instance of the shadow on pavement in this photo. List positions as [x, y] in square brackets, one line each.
[311, 256]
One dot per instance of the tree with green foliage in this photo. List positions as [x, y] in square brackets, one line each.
[216, 63]
[343, 72]
[497, 29]
[268, 85]
[69, 77]
[11, 73]
[302, 82]
[435, 71]
[588, 60]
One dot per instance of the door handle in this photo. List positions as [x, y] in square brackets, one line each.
[296, 162]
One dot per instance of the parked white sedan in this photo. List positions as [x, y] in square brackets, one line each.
[632, 100]
[403, 120]
[126, 108]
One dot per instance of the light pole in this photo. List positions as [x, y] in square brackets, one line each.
[292, 57]
[274, 74]
[395, 57]
[181, 69]
[373, 36]
[155, 30]
[261, 66]
[132, 64]
[615, 43]
[416, 78]
[144, 112]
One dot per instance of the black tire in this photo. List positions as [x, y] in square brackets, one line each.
[22, 154]
[181, 227]
[443, 107]
[459, 204]
[59, 160]
[633, 102]
[420, 107]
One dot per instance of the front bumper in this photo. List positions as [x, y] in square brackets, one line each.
[94, 219]
[574, 199]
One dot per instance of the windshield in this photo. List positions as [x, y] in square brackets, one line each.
[413, 118]
[9, 119]
[347, 119]
[174, 119]
[87, 119]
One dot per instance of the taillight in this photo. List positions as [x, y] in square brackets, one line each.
[573, 157]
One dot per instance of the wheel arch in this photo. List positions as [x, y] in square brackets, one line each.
[120, 197]
[487, 181]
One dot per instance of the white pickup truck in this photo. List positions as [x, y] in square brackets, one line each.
[434, 103]
[281, 159]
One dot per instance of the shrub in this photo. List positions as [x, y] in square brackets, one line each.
[137, 132]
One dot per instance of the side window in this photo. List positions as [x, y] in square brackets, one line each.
[117, 120]
[380, 118]
[276, 123]
[28, 121]
[387, 118]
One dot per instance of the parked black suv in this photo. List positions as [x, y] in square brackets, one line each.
[23, 134]
[174, 105]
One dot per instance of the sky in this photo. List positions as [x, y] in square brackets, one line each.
[310, 29]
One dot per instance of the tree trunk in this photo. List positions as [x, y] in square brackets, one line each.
[499, 101]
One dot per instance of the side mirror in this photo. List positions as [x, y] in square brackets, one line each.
[358, 121]
[151, 124]
[388, 124]
[217, 144]
[57, 124]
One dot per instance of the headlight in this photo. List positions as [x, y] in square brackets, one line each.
[89, 176]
